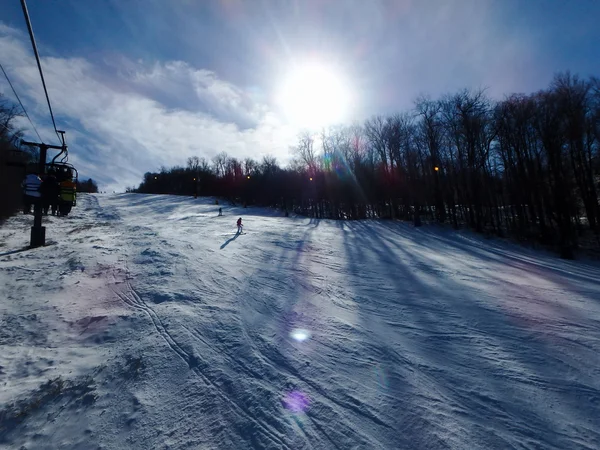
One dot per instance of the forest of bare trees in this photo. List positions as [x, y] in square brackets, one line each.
[527, 167]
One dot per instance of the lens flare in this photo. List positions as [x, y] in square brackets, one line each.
[381, 376]
[300, 334]
[296, 402]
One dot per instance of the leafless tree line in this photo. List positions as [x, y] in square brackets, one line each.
[527, 166]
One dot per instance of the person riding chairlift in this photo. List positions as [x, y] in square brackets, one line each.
[31, 191]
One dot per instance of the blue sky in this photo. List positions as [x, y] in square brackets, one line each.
[142, 83]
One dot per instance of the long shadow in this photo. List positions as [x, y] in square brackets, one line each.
[375, 281]
[422, 330]
[226, 243]
[283, 295]
[271, 303]
[570, 275]
[338, 404]
[241, 323]
[346, 359]
[442, 318]
[12, 252]
[28, 247]
[486, 247]
[292, 246]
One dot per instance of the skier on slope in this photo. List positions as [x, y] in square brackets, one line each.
[239, 225]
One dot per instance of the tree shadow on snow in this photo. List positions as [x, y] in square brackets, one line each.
[436, 329]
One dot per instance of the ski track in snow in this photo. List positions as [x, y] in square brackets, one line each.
[148, 323]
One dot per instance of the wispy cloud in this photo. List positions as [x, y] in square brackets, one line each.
[126, 119]
[177, 84]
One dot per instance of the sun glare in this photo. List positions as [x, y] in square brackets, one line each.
[314, 95]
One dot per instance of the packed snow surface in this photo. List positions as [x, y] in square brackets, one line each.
[148, 323]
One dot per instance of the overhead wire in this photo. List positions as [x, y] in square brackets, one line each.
[37, 58]
[20, 103]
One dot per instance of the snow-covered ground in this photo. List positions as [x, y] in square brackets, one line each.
[147, 323]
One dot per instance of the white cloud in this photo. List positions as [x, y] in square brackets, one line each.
[137, 118]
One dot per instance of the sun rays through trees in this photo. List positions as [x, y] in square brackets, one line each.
[527, 166]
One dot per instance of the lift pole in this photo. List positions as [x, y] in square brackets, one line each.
[38, 232]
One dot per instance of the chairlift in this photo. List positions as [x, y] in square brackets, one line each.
[67, 177]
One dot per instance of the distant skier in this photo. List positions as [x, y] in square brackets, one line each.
[220, 211]
[239, 225]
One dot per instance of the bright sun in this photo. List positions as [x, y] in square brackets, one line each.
[314, 95]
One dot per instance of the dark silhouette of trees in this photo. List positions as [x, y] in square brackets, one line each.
[526, 167]
[88, 186]
[13, 160]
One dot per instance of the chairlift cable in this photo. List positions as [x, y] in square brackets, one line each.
[37, 58]
[20, 103]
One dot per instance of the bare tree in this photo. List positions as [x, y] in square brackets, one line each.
[305, 151]
[193, 163]
[220, 163]
[376, 131]
[577, 111]
[268, 165]
[430, 132]
[8, 114]
[250, 166]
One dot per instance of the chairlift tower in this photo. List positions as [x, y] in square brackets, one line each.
[38, 232]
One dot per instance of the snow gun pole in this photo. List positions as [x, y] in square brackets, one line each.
[38, 232]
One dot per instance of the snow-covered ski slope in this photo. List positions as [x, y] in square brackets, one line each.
[147, 324]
